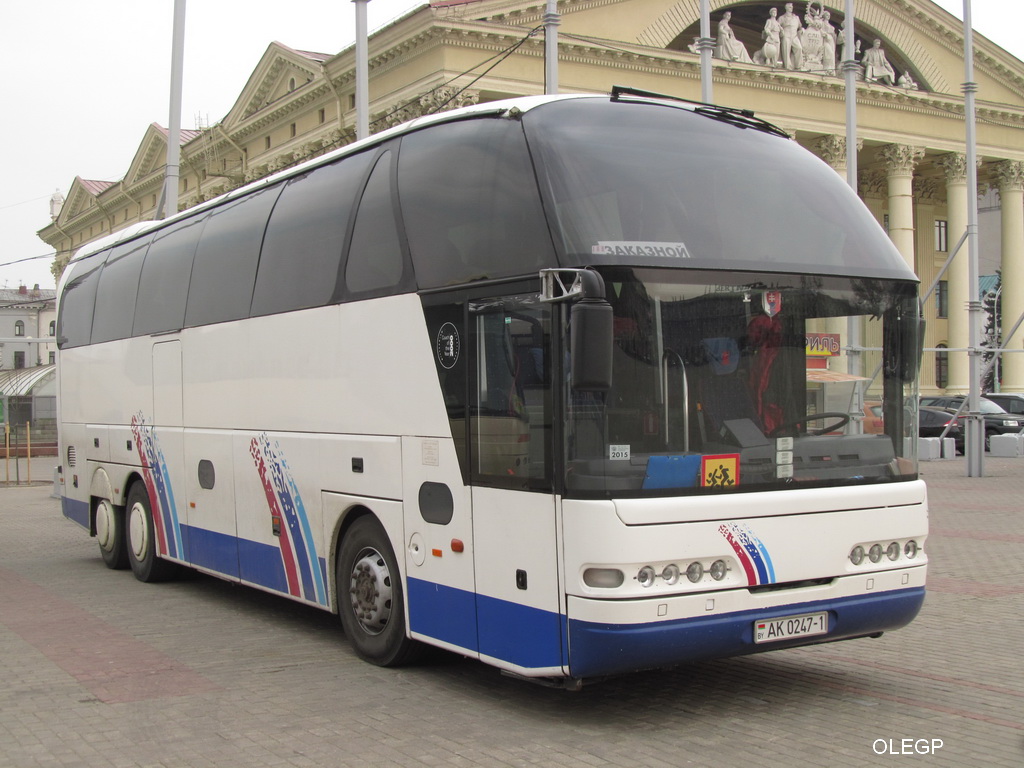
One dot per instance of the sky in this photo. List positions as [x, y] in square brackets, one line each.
[83, 80]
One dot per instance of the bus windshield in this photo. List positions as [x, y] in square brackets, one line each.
[733, 381]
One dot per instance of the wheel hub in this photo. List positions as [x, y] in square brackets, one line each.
[370, 591]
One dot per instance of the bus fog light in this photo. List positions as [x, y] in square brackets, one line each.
[603, 578]
[670, 574]
[695, 572]
[646, 576]
[718, 569]
[857, 555]
[893, 551]
[875, 553]
[910, 549]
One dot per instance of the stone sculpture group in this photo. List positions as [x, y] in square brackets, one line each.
[812, 44]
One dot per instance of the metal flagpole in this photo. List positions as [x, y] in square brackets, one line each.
[975, 423]
[704, 45]
[362, 72]
[171, 172]
[851, 71]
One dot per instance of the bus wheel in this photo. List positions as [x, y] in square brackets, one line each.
[142, 557]
[370, 598]
[110, 534]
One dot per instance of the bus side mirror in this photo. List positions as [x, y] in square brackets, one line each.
[591, 345]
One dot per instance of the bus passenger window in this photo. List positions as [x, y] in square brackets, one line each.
[163, 287]
[311, 217]
[74, 325]
[116, 294]
[375, 259]
[225, 265]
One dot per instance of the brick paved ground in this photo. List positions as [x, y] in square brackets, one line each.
[100, 670]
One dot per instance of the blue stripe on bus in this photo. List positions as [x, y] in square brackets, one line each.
[518, 634]
[75, 510]
[604, 649]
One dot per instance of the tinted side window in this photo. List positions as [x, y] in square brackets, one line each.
[74, 319]
[117, 291]
[375, 260]
[305, 238]
[225, 266]
[470, 203]
[163, 287]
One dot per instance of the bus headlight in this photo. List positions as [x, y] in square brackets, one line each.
[893, 550]
[857, 555]
[670, 574]
[910, 549]
[695, 572]
[875, 553]
[603, 578]
[646, 576]
[718, 570]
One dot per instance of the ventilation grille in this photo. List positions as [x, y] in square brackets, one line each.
[72, 456]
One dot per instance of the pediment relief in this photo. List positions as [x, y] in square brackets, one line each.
[150, 157]
[280, 71]
[81, 197]
[809, 40]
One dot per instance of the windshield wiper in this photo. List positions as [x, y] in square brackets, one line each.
[744, 118]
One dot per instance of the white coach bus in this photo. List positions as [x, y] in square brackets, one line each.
[571, 385]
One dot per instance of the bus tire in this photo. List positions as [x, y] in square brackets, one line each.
[141, 538]
[371, 602]
[110, 534]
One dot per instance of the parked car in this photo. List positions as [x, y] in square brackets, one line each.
[997, 420]
[1008, 401]
[933, 422]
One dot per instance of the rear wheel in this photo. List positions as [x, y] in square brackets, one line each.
[141, 534]
[110, 534]
[370, 597]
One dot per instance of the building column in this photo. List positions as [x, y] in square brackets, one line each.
[958, 277]
[900, 160]
[1010, 177]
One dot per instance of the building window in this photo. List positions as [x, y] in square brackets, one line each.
[351, 101]
[53, 358]
[266, 142]
[941, 235]
[292, 129]
[19, 360]
[941, 366]
[53, 327]
[323, 116]
[942, 299]
[19, 328]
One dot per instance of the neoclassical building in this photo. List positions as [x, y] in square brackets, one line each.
[911, 156]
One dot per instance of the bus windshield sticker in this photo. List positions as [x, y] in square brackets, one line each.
[634, 248]
[618, 452]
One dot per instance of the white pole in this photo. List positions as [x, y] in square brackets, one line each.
[705, 44]
[975, 421]
[551, 21]
[850, 72]
[362, 72]
[172, 172]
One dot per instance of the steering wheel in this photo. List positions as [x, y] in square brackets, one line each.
[842, 419]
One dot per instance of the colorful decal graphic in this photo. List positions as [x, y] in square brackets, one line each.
[720, 470]
[158, 485]
[291, 524]
[751, 552]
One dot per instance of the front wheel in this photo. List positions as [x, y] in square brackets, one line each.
[370, 597]
[142, 555]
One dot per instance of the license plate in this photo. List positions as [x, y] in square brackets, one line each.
[804, 625]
